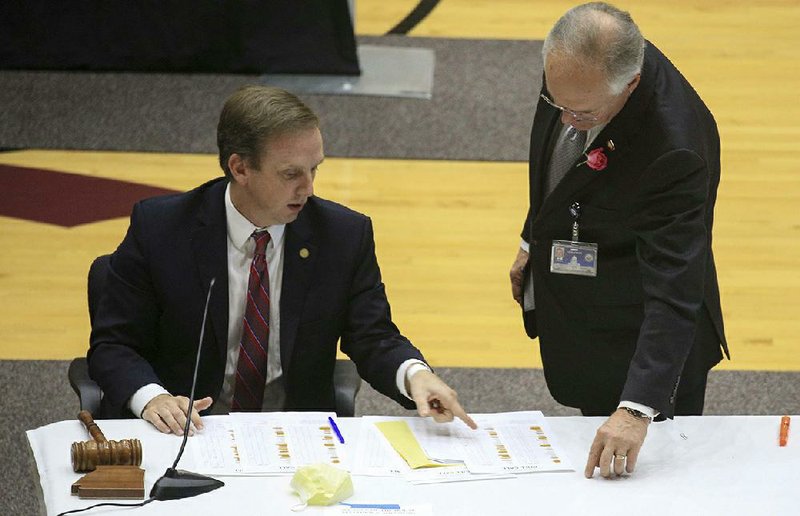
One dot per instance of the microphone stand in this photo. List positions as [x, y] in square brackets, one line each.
[178, 483]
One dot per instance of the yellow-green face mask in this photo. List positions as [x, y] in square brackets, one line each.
[321, 484]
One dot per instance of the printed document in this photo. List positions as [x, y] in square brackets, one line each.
[264, 443]
[504, 444]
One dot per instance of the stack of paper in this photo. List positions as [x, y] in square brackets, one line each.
[424, 451]
[264, 443]
[420, 450]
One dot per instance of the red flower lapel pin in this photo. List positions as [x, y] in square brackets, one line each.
[596, 159]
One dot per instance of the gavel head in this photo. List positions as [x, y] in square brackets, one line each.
[87, 455]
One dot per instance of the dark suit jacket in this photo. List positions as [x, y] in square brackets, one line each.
[627, 332]
[147, 326]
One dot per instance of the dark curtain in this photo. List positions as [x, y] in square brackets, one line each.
[233, 36]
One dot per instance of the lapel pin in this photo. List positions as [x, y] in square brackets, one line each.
[610, 144]
[304, 253]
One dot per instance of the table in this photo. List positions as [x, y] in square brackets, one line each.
[692, 465]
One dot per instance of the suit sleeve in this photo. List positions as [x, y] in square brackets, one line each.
[672, 249]
[525, 232]
[370, 337]
[123, 337]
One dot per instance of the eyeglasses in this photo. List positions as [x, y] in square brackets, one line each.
[577, 117]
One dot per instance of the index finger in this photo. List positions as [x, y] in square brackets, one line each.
[183, 406]
[461, 414]
[594, 459]
[199, 405]
[196, 423]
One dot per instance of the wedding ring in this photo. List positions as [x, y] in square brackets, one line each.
[620, 457]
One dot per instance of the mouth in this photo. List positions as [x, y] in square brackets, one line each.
[296, 206]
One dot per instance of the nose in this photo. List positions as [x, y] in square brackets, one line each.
[567, 118]
[306, 187]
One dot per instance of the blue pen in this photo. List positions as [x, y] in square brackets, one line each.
[336, 429]
[384, 506]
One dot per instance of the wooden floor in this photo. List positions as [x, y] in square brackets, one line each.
[446, 234]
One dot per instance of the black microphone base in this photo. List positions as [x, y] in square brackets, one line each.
[177, 483]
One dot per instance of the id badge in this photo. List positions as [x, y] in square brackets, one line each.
[579, 258]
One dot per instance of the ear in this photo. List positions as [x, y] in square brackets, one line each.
[634, 83]
[238, 167]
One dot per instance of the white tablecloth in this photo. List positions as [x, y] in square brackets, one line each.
[693, 465]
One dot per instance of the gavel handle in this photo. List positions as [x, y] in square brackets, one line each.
[94, 430]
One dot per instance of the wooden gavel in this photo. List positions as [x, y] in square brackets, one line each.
[87, 455]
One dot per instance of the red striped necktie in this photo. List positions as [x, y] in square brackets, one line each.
[251, 370]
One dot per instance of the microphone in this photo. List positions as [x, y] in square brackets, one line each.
[177, 483]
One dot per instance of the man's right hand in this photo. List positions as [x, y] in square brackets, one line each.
[516, 275]
[168, 413]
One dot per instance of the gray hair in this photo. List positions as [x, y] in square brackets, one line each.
[599, 34]
[255, 114]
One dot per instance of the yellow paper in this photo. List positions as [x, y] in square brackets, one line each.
[403, 441]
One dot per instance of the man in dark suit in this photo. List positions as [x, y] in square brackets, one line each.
[294, 275]
[616, 275]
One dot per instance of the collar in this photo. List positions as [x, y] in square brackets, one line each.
[240, 229]
[592, 133]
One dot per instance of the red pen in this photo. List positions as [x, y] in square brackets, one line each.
[437, 406]
[784, 435]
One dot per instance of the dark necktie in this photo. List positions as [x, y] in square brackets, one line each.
[251, 370]
[568, 147]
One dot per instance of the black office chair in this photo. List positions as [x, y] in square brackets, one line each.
[346, 381]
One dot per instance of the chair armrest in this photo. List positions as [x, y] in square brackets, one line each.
[87, 390]
[346, 383]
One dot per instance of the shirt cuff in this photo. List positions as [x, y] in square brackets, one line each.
[143, 396]
[406, 370]
[644, 409]
[525, 246]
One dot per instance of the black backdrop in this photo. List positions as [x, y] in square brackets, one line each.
[235, 36]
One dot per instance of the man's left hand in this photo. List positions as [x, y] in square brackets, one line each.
[616, 446]
[435, 398]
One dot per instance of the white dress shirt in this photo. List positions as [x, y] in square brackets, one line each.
[241, 249]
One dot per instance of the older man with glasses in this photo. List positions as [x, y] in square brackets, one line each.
[615, 273]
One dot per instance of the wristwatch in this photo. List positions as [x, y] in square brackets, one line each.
[638, 414]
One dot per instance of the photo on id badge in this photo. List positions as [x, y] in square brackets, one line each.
[578, 258]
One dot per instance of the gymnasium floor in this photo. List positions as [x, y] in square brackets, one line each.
[740, 56]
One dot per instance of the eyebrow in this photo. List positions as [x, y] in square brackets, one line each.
[290, 168]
